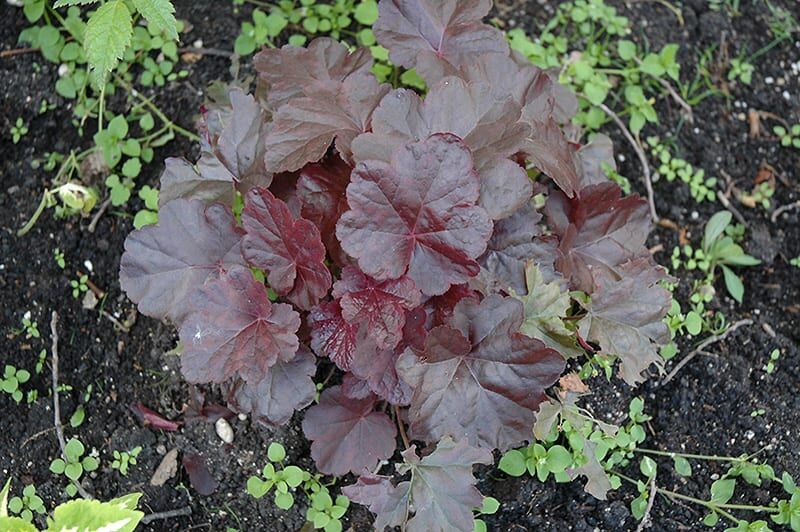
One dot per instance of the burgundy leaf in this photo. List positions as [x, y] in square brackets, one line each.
[479, 378]
[380, 305]
[593, 156]
[198, 409]
[164, 264]
[199, 475]
[448, 29]
[441, 307]
[550, 151]
[305, 127]
[331, 335]
[626, 315]
[515, 241]
[505, 187]
[154, 419]
[287, 386]
[289, 249]
[441, 493]
[355, 388]
[321, 191]
[598, 229]
[208, 182]
[417, 215]
[292, 71]
[234, 330]
[347, 434]
[376, 366]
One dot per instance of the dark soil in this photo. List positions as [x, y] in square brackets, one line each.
[705, 409]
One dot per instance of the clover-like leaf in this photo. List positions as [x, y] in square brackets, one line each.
[545, 305]
[599, 230]
[447, 29]
[348, 435]
[441, 493]
[515, 241]
[289, 249]
[208, 181]
[287, 386]
[417, 215]
[164, 264]
[291, 70]
[625, 316]
[331, 335]
[322, 193]
[380, 305]
[305, 127]
[479, 378]
[233, 330]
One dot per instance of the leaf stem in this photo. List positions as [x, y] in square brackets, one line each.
[401, 426]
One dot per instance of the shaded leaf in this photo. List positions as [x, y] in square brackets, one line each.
[592, 156]
[164, 264]
[347, 435]
[287, 386]
[289, 249]
[208, 182]
[234, 330]
[417, 215]
[441, 307]
[625, 316]
[597, 481]
[379, 305]
[389, 503]
[199, 475]
[154, 419]
[479, 378]
[331, 335]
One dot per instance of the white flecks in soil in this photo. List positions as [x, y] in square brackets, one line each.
[88, 265]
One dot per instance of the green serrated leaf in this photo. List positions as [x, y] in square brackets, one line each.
[160, 14]
[64, 3]
[108, 34]
[82, 514]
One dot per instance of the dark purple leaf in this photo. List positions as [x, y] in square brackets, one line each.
[199, 475]
[376, 366]
[305, 127]
[380, 305]
[417, 215]
[291, 71]
[198, 409]
[592, 156]
[355, 388]
[479, 378]
[154, 419]
[550, 151]
[321, 191]
[164, 264]
[505, 187]
[441, 307]
[441, 493]
[289, 249]
[208, 182]
[287, 386]
[233, 330]
[348, 435]
[626, 315]
[515, 240]
[331, 335]
[447, 29]
[598, 229]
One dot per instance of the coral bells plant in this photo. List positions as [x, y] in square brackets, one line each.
[448, 252]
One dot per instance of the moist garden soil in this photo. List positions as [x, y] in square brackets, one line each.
[706, 409]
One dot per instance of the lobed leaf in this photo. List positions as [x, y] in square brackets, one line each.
[348, 435]
[288, 248]
[417, 215]
[208, 182]
[164, 264]
[233, 330]
[331, 335]
[479, 378]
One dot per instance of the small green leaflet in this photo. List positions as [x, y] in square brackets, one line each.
[108, 34]
[65, 3]
[159, 13]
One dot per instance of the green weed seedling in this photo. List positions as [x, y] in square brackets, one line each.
[58, 256]
[29, 326]
[795, 262]
[27, 505]
[672, 168]
[148, 215]
[721, 251]
[324, 511]
[741, 70]
[75, 466]
[774, 355]
[125, 459]
[79, 286]
[13, 378]
[18, 130]
[789, 136]
[489, 507]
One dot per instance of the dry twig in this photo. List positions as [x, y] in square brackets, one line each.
[701, 348]
[640, 154]
[645, 522]
[782, 209]
[180, 512]
[56, 405]
[103, 208]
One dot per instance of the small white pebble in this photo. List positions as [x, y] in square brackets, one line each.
[27, 315]
[621, 157]
[224, 430]
[769, 80]
[242, 416]
[198, 43]
[749, 434]
[63, 70]
[695, 215]
[786, 95]
[89, 266]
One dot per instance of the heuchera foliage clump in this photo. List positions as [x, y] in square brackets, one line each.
[333, 217]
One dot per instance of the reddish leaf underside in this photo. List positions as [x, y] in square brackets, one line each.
[417, 215]
[479, 378]
[164, 264]
[348, 435]
[233, 330]
[289, 249]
